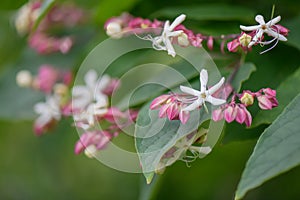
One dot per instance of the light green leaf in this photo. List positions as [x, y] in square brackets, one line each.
[242, 75]
[209, 12]
[276, 151]
[155, 136]
[286, 91]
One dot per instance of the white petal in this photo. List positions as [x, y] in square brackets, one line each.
[203, 80]
[274, 21]
[174, 33]
[190, 91]
[101, 99]
[40, 108]
[249, 28]
[166, 26]
[214, 88]
[256, 37]
[177, 21]
[214, 101]
[193, 106]
[276, 35]
[103, 82]
[260, 19]
[170, 47]
[42, 120]
[90, 78]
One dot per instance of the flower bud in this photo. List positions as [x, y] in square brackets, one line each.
[247, 99]
[90, 151]
[183, 40]
[24, 78]
[114, 29]
[245, 39]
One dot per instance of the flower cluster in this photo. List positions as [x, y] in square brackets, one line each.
[88, 104]
[177, 106]
[54, 83]
[176, 33]
[64, 15]
[237, 108]
[256, 34]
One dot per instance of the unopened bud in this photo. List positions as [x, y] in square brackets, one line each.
[24, 78]
[183, 40]
[60, 89]
[114, 29]
[247, 99]
[90, 151]
[245, 39]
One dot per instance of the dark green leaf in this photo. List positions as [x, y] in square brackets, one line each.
[209, 12]
[277, 150]
[242, 75]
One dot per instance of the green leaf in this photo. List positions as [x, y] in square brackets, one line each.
[45, 8]
[286, 91]
[276, 151]
[293, 37]
[108, 8]
[155, 136]
[209, 12]
[242, 75]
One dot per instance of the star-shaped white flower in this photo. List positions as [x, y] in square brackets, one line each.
[84, 95]
[88, 117]
[262, 28]
[48, 111]
[164, 41]
[204, 94]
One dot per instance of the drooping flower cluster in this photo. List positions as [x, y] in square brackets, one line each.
[176, 33]
[236, 110]
[64, 15]
[177, 106]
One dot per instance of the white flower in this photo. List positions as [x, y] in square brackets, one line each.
[204, 94]
[48, 111]
[88, 117]
[164, 41]
[264, 28]
[84, 95]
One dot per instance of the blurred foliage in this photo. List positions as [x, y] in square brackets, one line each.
[46, 167]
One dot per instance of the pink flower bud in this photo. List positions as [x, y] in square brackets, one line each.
[264, 103]
[233, 45]
[240, 115]
[113, 114]
[184, 116]
[281, 29]
[217, 114]
[158, 101]
[210, 43]
[99, 139]
[248, 119]
[46, 78]
[229, 113]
